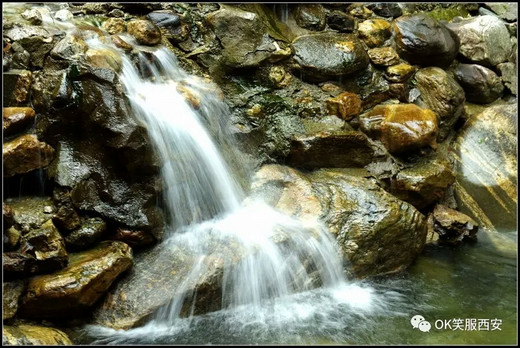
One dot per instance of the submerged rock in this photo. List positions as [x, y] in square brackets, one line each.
[329, 55]
[11, 293]
[376, 232]
[422, 40]
[33, 335]
[74, 289]
[443, 95]
[24, 154]
[310, 16]
[144, 31]
[452, 226]
[401, 127]
[481, 85]
[16, 119]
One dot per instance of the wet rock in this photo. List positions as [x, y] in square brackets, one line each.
[30, 213]
[36, 40]
[104, 58]
[507, 11]
[346, 105]
[374, 32]
[342, 149]
[134, 238]
[113, 25]
[310, 16]
[74, 289]
[16, 119]
[11, 238]
[65, 218]
[486, 164]
[508, 75]
[90, 232]
[443, 95]
[16, 264]
[452, 226]
[279, 77]
[329, 55]
[422, 40]
[47, 247]
[484, 40]
[24, 154]
[401, 127]
[119, 42]
[377, 233]
[341, 21]
[70, 47]
[12, 291]
[144, 31]
[424, 183]
[33, 16]
[33, 335]
[359, 11]
[192, 97]
[243, 38]
[17, 84]
[7, 216]
[63, 15]
[385, 9]
[399, 73]
[481, 85]
[384, 56]
[165, 19]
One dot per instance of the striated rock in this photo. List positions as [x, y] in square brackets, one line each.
[46, 246]
[377, 233]
[89, 233]
[443, 95]
[399, 73]
[484, 40]
[343, 149]
[422, 40]
[329, 55]
[74, 289]
[401, 127]
[341, 21]
[134, 238]
[16, 119]
[144, 31]
[385, 9]
[384, 56]
[70, 47]
[346, 105]
[374, 32]
[24, 154]
[485, 159]
[33, 335]
[481, 85]
[17, 84]
[424, 183]
[65, 218]
[243, 38]
[310, 16]
[508, 75]
[113, 25]
[11, 293]
[452, 226]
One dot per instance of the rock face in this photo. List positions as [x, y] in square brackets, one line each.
[452, 226]
[24, 154]
[486, 166]
[310, 16]
[346, 105]
[16, 119]
[443, 95]
[34, 335]
[11, 291]
[484, 40]
[334, 150]
[481, 85]
[77, 287]
[144, 31]
[401, 127]
[376, 232]
[329, 55]
[422, 40]
[244, 38]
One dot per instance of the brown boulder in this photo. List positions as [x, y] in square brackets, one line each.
[25, 154]
[16, 119]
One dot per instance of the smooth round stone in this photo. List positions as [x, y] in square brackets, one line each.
[481, 85]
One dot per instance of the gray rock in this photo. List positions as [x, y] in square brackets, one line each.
[33, 16]
[310, 16]
[484, 40]
[481, 85]
[329, 55]
[70, 47]
[508, 75]
[507, 11]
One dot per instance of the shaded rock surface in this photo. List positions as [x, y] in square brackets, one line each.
[452, 226]
[346, 105]
[77, 287]
[508, 75]
[33, 335]
[310, 16]
[341, 21]
[11, 293]
[89, 233]
[16, 87]
[30, 213]
[24, 154]
[481, 85]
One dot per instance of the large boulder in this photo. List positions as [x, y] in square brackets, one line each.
[443, 95]
[376, 232]
[484, 40]
[24, 154]
[34, 335]
[329, 55]
[74, 289]
[481, 85]
[421, 39]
